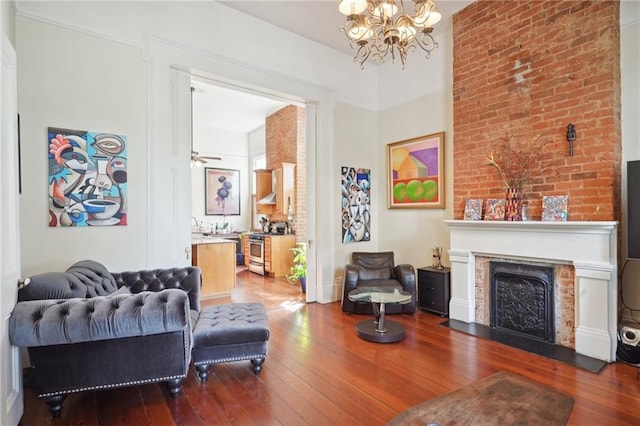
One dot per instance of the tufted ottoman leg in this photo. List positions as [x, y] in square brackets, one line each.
[230, 332]
[175, 386]
[55, 404]
[257, 365]
[203, 372]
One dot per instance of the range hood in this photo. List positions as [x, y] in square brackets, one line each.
[269, 199]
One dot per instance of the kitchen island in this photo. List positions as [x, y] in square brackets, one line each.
[216, 257]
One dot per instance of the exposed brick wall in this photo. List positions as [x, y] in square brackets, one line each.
[281, 133]
[285, 132]
[528, 68]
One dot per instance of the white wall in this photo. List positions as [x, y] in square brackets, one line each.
[356, 146]
[413, 233]
[206, 26]
[8, 20]
[78, 81]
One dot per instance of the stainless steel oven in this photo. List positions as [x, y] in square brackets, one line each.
[256, 253]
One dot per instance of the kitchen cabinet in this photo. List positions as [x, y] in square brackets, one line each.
[246, 250]
[264, 187]
[216, 258]
[278, 258]
[285, 188]
[282, 181]
[433, 290]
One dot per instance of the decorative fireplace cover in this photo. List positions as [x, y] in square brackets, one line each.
[522, 299]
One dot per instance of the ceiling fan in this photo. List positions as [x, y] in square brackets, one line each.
[197, 159]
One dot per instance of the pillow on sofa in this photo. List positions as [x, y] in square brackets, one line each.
[86, 278]
[50, 285]
[94, 276]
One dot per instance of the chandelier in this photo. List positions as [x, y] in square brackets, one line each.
[377, 28]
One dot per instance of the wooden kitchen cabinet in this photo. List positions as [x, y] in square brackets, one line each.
[278, 257]
[247, 253]
[264, 187]
[285, 187]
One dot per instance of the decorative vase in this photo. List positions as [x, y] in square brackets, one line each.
[514, 204]
[303, 284]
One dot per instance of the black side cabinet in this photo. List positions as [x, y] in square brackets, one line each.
[433, 290]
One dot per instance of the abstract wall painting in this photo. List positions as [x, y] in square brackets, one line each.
[416, 172]
[87, 178]
[221, 192]
[356, 204]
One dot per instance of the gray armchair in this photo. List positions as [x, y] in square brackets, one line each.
[377, 271]
[89, 329]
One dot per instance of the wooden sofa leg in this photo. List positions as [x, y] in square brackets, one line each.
[203, 372]
[55, 404]
[257, 365]
[175, 386]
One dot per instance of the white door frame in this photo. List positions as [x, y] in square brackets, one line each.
[11, 405]
[163, 55]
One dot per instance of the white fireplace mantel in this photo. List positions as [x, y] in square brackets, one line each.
[591, 247]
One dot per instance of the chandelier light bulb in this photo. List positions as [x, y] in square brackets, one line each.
[386, 9]
[356, 29]
[427, 14]
[352, 7]
[406, 31]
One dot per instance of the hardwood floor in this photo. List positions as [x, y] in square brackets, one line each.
[318, 372]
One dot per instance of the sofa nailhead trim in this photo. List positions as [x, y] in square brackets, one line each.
[115, 385]
[217, 361]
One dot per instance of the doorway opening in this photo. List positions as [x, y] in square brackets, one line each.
[230, 123]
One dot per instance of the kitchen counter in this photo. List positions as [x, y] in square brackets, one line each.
[211, 240]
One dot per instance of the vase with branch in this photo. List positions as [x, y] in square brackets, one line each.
[516, 163]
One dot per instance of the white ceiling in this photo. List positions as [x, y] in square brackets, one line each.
[317, 20]
[231, 110]
[320, 20]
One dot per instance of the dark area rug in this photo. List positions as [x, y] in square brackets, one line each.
[501, 399]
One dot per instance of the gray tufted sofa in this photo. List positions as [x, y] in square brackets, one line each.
[87, 328]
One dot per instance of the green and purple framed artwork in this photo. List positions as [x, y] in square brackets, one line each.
[416, 172]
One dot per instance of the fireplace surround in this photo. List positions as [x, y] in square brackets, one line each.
[590, 247]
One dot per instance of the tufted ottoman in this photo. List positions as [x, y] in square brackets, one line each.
[230, 332]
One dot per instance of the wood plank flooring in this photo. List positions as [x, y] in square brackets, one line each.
[318, 372]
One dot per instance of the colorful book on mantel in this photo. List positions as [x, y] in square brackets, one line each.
[555, 208]
[495, 209]
[473, 209]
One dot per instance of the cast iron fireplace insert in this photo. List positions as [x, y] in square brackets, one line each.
[522, 299]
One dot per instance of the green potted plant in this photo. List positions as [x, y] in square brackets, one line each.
[298, 271]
